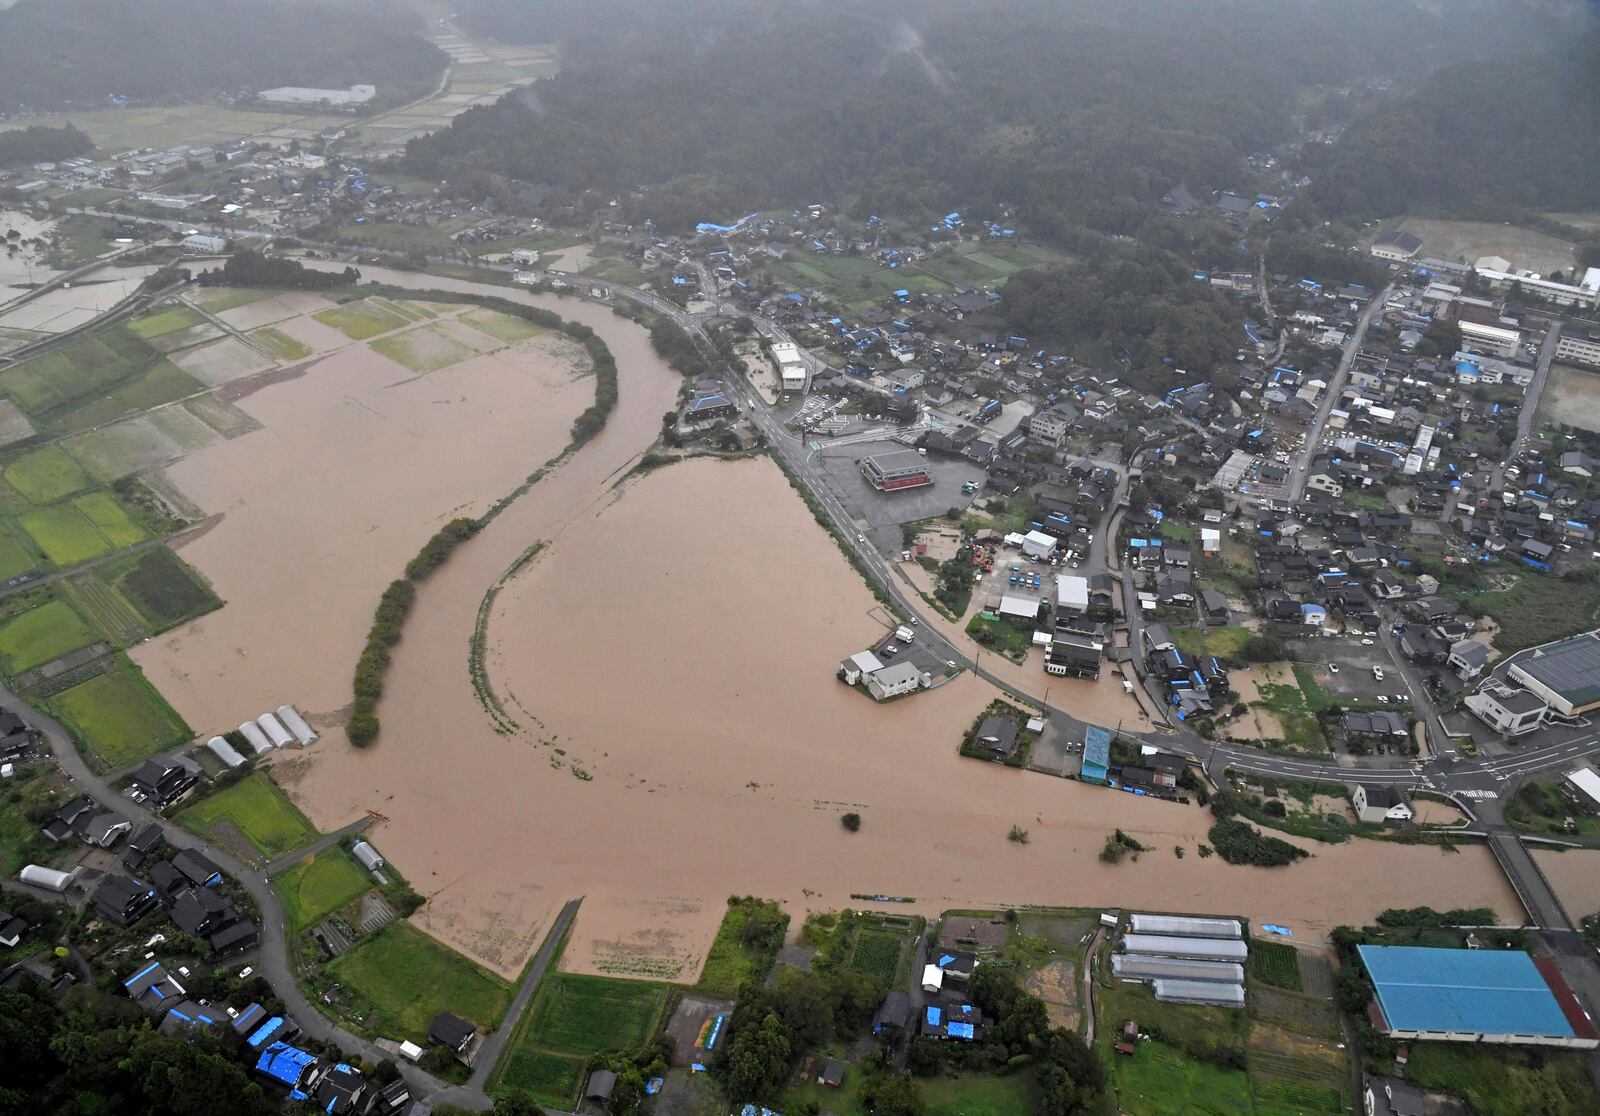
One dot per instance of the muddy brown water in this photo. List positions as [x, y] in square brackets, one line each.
[675, 643]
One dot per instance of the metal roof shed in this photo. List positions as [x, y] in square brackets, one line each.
[1198, 949]
[1186, 927]
[1199, 992]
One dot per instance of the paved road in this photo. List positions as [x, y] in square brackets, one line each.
[1530, 404]
[273, 954]
[1302, 467]
[472, 1094]
[326, 841]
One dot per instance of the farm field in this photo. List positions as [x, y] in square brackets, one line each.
[94, 379]
[161, 586]
[979, 1096]
[64, 534]
[256, 808]
[1224, 643]
[218, 299]
[1468, 240]
[422, 350]
[108, 517]
[315, 888]
[165, 321]
[503, 327]
[406, 978]
[46, 475]
[730, 961]
[1276, 964]
[1161, 1081]
[120, 718]
[116, 130]
[360, 320]
[1538, 609]
[572, 1017]
[42, 635]
[21, 840]
[14, 557]
[1506, 1082]
[281, 343]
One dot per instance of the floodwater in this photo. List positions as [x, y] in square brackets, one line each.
[358, 462]
[1574, 875]
[672, 730]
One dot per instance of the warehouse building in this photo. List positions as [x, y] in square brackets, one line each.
[1474, 995]
[1566, 674]
[791, 367]
[1185, 927]
[890, 472]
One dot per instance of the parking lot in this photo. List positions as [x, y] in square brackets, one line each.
[1343, 667]
[883, 512]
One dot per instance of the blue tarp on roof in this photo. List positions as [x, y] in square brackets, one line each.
[959, 1030]
[141, 972]
[265, 1032]
[1473, 991]
[935, 1016]
[945, 959]
[284, 1063]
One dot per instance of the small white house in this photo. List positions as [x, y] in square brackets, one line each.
[932, 978]
[201, 245]
[1380, 803]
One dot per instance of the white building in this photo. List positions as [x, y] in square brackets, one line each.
[275, 731]
[1072, 593]
[201, 245]
[1378, 803]
[304, 95]
[1578, 350]
[1397, 246]
[1508, 711]
[1491, 339]
[896, 679]
[47, 878]
[1038, 544]
[1585, 293]
[369, 857]
[290, 716]
[224, 751]
[791, 368]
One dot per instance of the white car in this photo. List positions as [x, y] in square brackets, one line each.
[1366, 643]
[1333, 668]
[1377, 674]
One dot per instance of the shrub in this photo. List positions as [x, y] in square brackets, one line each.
[1018, 834]
[851, 821]
[1238, 843]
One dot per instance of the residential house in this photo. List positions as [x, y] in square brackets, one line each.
[996, 737]
[456, 1034]
[1380, 803]
[164, 780]
[197, 869]
[11, 929]
[1467, 658]
[124, 900]
[1382, 723]
[893, 1015]
[1509, 711]
[1389, 1096]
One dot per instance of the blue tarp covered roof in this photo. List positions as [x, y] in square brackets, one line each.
[284, 1063]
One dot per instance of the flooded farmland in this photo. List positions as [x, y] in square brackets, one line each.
[671, 729]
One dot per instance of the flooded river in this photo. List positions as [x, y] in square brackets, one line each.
[673, 731]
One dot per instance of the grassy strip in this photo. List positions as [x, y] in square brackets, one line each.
[387, 621]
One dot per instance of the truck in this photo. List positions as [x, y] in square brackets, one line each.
[903, 634]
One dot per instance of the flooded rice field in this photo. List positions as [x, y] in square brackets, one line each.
[647, 715]
[1574, 875]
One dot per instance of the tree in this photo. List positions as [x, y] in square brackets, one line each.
[892, 1096]
[757, 1060]
[851, 821]
[517, 1102]
[1262, 649]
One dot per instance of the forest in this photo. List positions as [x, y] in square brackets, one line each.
[1474, 141]
[1079, 117]
[80, 53]
[37, 143]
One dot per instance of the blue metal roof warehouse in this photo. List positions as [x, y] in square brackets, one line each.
[1480, 995]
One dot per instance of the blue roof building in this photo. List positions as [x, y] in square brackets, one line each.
[1096, 755]
[1470, 995]
[287, 1065]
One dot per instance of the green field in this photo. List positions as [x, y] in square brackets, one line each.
[406, 978]
[109, 518]
[94, 379]
[315, 888]
[218, 299]
[35, 788]
[65, 534]
[360, 320]
[1161, 1081]
[117, 130]
[120, 718]
[46, 475]
[257, 807]
[980, 1096]
[731, 961]
[161, 587]
[571, 1018]
[1538, 609]
[1275, 963]
[1506, 1082]
[42, 635]
[106, 607]
[14, 557]
[877, 953]
[165, 321]
[422, 350]
[503, 327]
[1224, 643]
[281, 343]
[163, 382]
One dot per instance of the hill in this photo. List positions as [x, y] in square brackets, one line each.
[80, 53]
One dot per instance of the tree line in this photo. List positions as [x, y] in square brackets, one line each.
[39, 144]
[248, 267]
